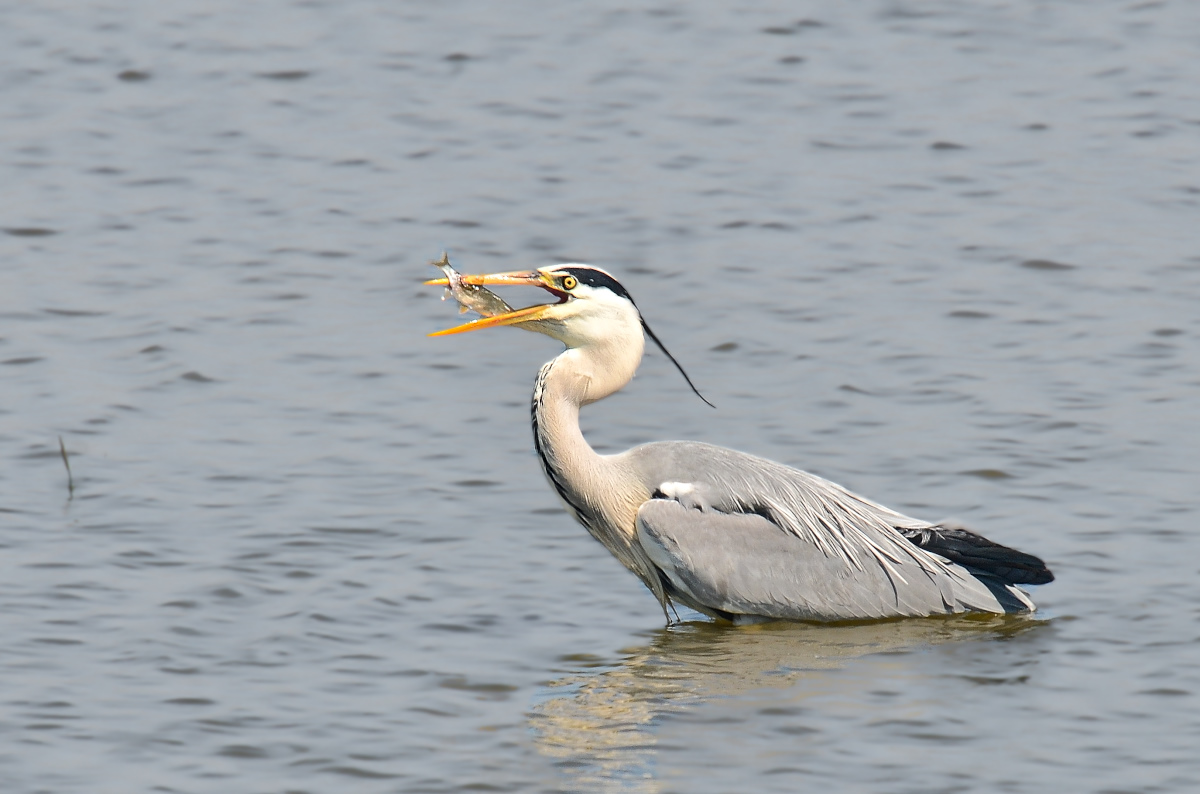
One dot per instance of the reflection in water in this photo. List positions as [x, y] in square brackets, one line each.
[599, 719]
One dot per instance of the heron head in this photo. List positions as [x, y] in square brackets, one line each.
[592, 308]
[591, 305]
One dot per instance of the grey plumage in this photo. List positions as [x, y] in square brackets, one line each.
[756, 538]
[734, 536]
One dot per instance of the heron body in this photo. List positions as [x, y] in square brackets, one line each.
[732, 535]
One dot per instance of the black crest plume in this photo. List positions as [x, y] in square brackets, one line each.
[598, 278]
[663, 348]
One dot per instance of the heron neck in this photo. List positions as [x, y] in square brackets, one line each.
[575, 469]
[596, 488]
[601, 491]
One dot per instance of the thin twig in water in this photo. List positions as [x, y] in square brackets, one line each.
[70, 480]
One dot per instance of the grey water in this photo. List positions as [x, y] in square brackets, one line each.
[946, 254]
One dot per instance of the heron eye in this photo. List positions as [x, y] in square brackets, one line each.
[570, 282]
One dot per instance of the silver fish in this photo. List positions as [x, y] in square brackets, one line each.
[480, 300]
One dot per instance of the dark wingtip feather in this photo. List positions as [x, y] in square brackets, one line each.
[975, 551]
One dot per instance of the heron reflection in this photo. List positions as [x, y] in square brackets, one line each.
[600, 722]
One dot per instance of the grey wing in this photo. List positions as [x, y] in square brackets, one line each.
[744, 564]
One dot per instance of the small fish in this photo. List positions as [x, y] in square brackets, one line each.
[480, 300]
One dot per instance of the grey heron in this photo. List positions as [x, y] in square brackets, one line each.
[734, 536]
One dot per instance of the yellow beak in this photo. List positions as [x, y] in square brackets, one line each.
[529, 278]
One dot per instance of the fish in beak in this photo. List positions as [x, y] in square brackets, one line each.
[528, 278]
[470, 297]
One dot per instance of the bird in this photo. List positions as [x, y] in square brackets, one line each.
[736, 537]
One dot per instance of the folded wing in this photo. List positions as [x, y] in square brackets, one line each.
[743, 564]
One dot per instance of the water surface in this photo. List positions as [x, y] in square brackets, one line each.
[945, 255]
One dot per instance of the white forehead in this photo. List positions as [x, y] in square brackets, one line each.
[568, 265]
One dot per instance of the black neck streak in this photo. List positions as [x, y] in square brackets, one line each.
[552, 473]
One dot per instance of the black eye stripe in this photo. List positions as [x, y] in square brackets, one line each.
[594, 278]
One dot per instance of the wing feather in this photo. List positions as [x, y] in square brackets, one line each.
[788, 541]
